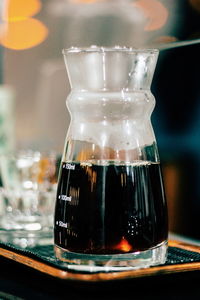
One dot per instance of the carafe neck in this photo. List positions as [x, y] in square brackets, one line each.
[110, 69]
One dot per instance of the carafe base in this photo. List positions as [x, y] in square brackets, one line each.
[117, 262]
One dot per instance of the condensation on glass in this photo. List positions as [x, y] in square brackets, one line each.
[110, 210]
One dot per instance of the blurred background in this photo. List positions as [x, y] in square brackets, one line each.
[34, 83]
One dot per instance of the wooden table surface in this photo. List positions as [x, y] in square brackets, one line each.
[22, 279]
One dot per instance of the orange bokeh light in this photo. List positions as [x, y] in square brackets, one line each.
[19, 31]
[20, 9]
[155, 12]
[23, 34]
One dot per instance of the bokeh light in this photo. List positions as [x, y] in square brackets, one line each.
[23, 34]
[155, 12]
[19, 9]
[19, 31]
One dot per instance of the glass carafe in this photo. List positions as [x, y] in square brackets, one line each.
[111, 211]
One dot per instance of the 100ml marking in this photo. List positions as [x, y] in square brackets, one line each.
[65, 198]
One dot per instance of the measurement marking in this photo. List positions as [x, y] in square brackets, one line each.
[65, 198]
[68, 166]
[62, 224]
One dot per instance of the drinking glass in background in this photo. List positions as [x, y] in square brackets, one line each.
[27, 197]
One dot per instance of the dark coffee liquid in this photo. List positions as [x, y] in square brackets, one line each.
[110, 208]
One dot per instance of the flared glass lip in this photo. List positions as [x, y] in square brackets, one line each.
[96, 49]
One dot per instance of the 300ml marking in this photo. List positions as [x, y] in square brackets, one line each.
[68, 166]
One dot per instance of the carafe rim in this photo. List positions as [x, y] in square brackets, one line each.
[96, 49]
